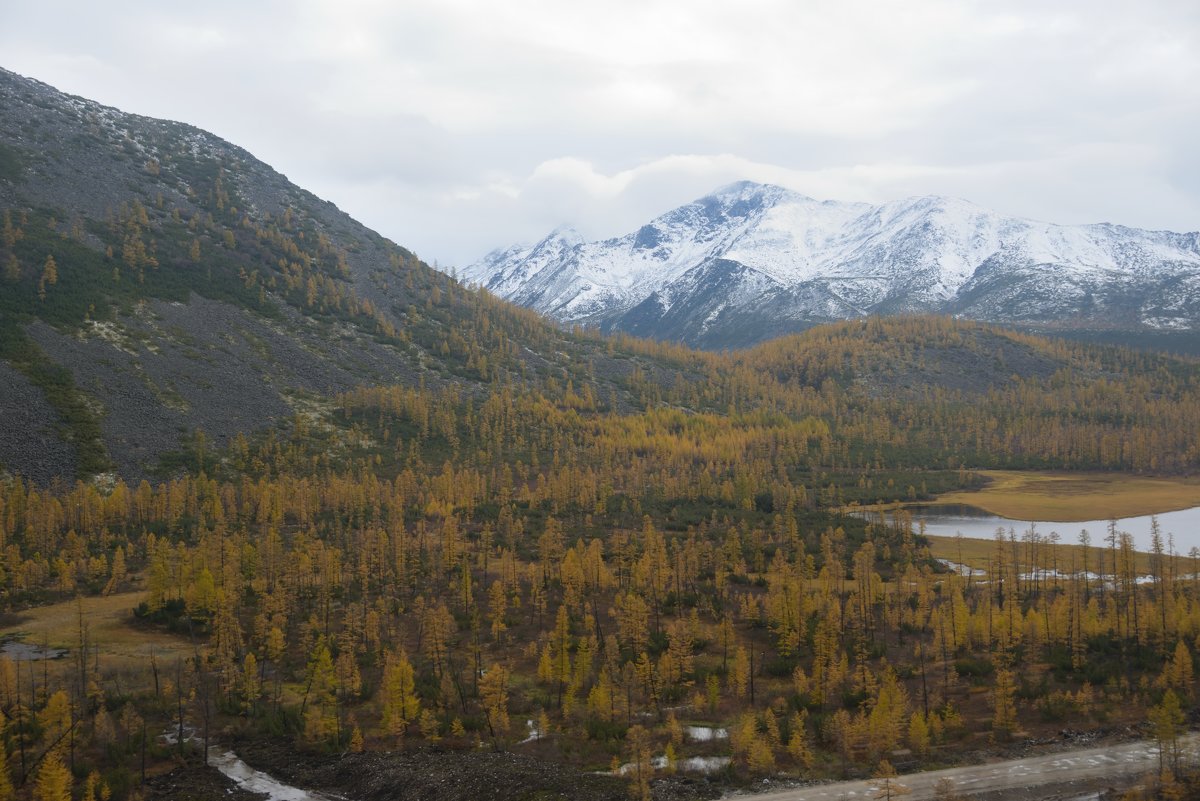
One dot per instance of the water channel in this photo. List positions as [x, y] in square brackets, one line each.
[256, 781]
[949, 519]
[246, 777]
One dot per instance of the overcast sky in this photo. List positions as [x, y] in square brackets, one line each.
[458, 126]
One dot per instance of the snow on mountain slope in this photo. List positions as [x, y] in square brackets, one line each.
[752, 261]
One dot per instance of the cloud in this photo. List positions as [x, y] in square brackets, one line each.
[1070, 187]
[455, 126]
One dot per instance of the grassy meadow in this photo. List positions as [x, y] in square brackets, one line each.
[110, 625]
[1072, 497]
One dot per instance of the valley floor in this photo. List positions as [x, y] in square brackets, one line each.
[1068, 497]
[1074, 773]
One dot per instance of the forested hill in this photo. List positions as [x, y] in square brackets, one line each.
[164, 291]
[943, 392]
[386, 509]
[157, 280]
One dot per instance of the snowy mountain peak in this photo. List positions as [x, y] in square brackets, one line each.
[565, 233]
[751, 260]
[739, 191]
[741, 188]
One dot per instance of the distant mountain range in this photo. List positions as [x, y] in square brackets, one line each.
[157, 281]
[752, 261]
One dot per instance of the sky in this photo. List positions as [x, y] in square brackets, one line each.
[456, 126]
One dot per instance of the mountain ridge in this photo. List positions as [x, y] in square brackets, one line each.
[752, 261]
[197, 289]
[197, 295]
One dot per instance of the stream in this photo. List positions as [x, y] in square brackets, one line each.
[246, 777]
[256, 781]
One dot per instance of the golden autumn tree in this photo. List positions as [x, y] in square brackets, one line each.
[1167, 722]
[640, 770]
[1004, 710]
[493, 693]
[887, 786]
[53, 780]
[400, 703]
[319, 706]
[49, 276]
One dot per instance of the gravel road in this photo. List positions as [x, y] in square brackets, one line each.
[1016, 779]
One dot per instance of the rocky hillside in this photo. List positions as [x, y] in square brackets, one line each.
[156, 280]
[751, 262]
[162, 291]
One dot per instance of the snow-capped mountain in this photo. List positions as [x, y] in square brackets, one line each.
[753, 261]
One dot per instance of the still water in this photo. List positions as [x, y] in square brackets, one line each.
[948, 520]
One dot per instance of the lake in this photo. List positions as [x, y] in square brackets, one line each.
[948, 520]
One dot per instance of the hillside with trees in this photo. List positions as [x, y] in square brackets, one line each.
[412, 569]
[359, 507]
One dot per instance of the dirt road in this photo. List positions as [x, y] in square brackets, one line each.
[1017, 778]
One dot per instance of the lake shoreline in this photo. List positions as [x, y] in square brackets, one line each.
[1061, 497]
[1179, 530]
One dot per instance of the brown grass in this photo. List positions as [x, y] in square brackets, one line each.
[976, 553]
[1071, 497]
[110, 625]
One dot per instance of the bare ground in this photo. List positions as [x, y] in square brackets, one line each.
[1075, 774]
[433, 774]
[196, 783]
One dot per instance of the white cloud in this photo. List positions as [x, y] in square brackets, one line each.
[454, 126]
